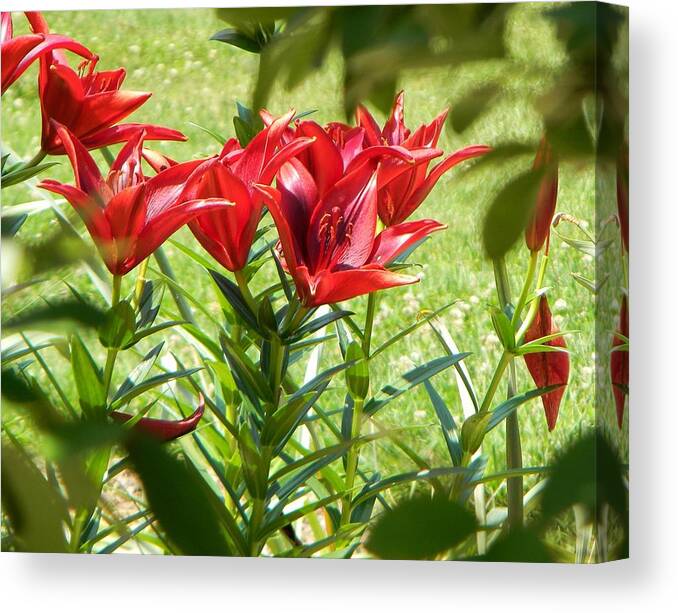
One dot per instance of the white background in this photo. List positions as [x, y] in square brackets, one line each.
[647, 582]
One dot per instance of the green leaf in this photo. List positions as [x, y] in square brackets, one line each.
[503, 328]
[151, 383]
[55, 315]
[24, 173]
[36, 511]
[234, 37]
[472, 105]
[411, 379]
[248, 376]
[140, 371]
[510, 213]
[420, 529]
[235, 298]
[590, 474]
[179, 499]
[217, 136]
[88, 379]
[118, 326]
[447, 424]
[502, 411]
[521, 545]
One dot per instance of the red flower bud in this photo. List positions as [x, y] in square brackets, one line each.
[549, 367]
[164, 429]
[537, 231]
[619, 363]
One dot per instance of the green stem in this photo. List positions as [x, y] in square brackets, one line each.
[112, 351]
[166, 269]
[352, 461]
[504, 361]
[369, 322]
[245, 290]
[534, 305]
[141, 280]
[258, 504]
[513, 446]
[36, 159]
[529, 278]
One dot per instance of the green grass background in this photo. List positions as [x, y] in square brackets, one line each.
[197, 80]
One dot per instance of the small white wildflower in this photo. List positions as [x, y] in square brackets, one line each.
[135, 49]
[474, 299]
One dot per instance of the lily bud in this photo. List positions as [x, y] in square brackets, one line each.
[548, 367]
[358, 374]
[619, 363]
[473, 432]
[164, 429]
[537, 232]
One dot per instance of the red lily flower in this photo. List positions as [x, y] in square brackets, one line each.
[623, 194]
[549, 367]
[539, 228]
[403, 196]
[227, 234]
[18, 53]
[127, 215]
[339, 149]
[90, 104]
[328, 243]
[619, 363]
[164, 429]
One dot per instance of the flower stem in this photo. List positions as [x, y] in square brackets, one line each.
[534, 305]
[112, 351]
[166, 269]
[352, 461]
[369, 322]
[529, 278]
[141, 280]
[245, 290]
[36, 159]
[514, 460]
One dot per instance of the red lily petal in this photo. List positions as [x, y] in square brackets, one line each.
[126, 168]
[395, 132]
[164, 429]
[427, 135]
[299, 196]
[437, 171]
[90, 211]
[366, 121]
[159, 228]
[287, 152]
[348, 213]
[37, 22]
[166, 188]
[87, 175]
[551, 367]
[6, 27]
[335, 286]
[101, 111]
[20, 52]
[156, 160]
[290, 246]
[260, 150]
[322, 159]
[619, 363]
[392, 241]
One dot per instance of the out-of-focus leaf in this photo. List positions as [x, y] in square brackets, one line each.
[420, 528]
[53, 315]
[117, 328]
[522, 545]
[179, 499]
[510, 212]
[36, 511]
[472, 106]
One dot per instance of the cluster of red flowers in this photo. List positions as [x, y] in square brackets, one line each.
[332, 182]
